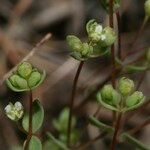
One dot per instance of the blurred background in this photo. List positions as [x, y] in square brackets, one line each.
[23, 23]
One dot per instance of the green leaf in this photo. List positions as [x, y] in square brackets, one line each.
[135, 142]
[105, 104]
[35, 143]
[38, 117]
[57, 142]
[134, 68]
[101, 125]
[61, 123]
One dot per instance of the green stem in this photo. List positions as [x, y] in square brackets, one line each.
[72, 101]
[134, 142]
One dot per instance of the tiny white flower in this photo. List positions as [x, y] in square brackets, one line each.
[8, 108]
[98, 29]
[18, 106]
[14, 112]
[103, 37]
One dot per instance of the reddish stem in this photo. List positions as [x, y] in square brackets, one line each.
[72, 101]
[119, 35]
[117, 126]
[30, 120]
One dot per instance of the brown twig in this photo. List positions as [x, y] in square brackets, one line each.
[46, 38]
[138, 128]
[139, 32]
[86, 145]
[141, 80]
[72, 100]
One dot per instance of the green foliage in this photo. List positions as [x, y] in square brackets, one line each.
[60, 144]
[101, 125]
[38, 117]
[61, 124]
[35, 143]
[25, 78]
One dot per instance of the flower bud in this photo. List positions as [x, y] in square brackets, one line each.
[148, 55]
[74, 43]
[19, 82]
[94, 30]
[86, 50]
[108, 37]
[34, 79]
[24, 69]
[14, 112]
[125, 86]
[109, 95]
[147, 8]
[134, 99]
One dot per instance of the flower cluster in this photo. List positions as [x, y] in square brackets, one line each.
[25, 78]
[14, 112]
[122, 99]
[99, 41]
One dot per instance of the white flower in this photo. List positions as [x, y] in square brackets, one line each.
[98, 29]
[14, 112]
[103, 37]
[18, 106]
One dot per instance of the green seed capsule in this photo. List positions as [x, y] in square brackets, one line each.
[34, 79]
[108, 37]
[134, 99]
[74, 43]
[106, 92]
[24, 69]
[147, 8]
[125, 86]
[19, 82]
[13, 80]
[116, 98]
